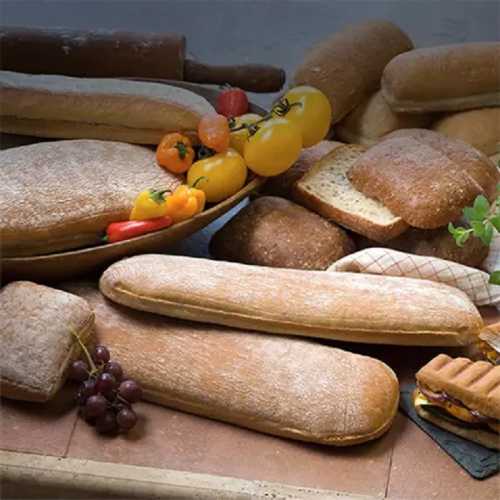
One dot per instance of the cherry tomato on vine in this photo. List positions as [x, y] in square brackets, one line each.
[238, 138]
[274, 148]
[313, 116]
[213, 131]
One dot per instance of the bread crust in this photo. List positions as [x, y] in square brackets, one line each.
[444, 78]
[279, 385]
[348, 65]
[474, 383]
[341, 306]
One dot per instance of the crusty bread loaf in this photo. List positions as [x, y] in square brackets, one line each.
[341, 306]
[275, 232]
[445, 78]
[424, 177]
[62, 195]
[373, 118]
[36, 340]
[348, 65]
[478, 127]
[327, 190]
[433, 243]
[476, 384]
[281, 185]
[119, 110]
[278, 385]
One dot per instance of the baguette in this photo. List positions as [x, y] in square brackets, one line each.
[339, 306]
[478, 127]
[36, 341]
[278, 385]
[348, 65]
[445, 78]
[85, 108]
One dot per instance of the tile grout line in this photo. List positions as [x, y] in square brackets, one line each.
[389, 474]
[65, 455]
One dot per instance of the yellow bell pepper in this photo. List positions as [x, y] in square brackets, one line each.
[149, 204]
[184, 203]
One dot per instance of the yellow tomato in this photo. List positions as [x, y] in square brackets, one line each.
[238, 139]
[219, 176]
[313, 116]
[274, 148]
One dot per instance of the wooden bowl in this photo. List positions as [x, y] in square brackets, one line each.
[68, 264]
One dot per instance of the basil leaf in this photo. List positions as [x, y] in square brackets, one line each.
[487, 235]
[478, 228]
[470, 214]
[496, 222]
[495, 278]
[481, 207]
[461, 238]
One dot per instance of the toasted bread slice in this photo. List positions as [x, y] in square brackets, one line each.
[327, 190]
[475, 384]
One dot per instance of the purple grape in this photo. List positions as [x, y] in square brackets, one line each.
[126, 419]
[115, 369]
[106, 423]
[130, 390]
[95, 406]
[101, 354]
[79, 371]
[105, 384]
[86, 390]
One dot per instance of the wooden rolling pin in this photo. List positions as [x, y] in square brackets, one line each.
[123, 54]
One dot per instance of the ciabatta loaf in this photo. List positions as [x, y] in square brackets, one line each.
[90, 108]
[326, 189]
[62, 195]
[341, 306]
[279, 385]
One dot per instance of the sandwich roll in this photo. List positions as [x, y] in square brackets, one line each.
[348, 66]
[444, 78]
[278, 385]
[88, 108]
[462, 397]
[478, 127]
[339, 306]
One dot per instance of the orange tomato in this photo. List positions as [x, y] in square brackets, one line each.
[213, 131]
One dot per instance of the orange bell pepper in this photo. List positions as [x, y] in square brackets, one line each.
[175, 153]
[184, 203]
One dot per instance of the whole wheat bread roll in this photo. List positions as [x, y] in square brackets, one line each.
[348, 65]
[424, 177]
[278, 385]
[478, 127]
[275, 232]
[445, 78]
[340, 306]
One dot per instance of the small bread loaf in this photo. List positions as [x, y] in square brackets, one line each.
[339, 306]
[36, 339]
[478, 127]
[89, 108]
[373, 118]
[279, 385]
[445, 78]
[275, 232]
[424, 177]
[348, 65]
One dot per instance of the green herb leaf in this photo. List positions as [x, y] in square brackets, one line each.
[461, 238]
[470, 214]
[487, 235]
[481, 207]
[496, 222]
[477, 228]
[495, 278]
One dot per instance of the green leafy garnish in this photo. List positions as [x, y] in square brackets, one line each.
[495, 278]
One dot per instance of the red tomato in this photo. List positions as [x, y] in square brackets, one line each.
[232, 102]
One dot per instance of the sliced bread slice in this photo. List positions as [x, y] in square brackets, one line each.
[326, 190]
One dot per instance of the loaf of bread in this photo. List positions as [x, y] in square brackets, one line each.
[37, 324]
[275, 232]
[445, 78]
[85, 108]
[373, 118]
[62, 195]
[288, 387]
[340, 306]
[424, 177]
[478, 127]
[348, 65]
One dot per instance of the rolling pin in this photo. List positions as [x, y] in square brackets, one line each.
[123, 54]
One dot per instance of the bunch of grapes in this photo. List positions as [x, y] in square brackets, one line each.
[105, 397]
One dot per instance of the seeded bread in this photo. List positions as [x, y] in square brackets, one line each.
[275, 232]
[326, 190]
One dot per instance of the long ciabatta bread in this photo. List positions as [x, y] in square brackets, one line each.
[90, 108]
[284, 386]
[445, 78]
[341, 306]
[62, 195]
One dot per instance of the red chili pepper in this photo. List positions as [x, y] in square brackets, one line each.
[119, 231]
